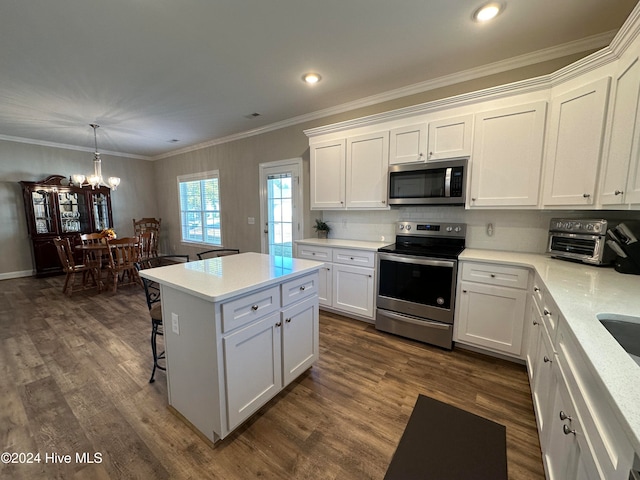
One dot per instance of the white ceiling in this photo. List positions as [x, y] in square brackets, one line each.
[149, 71]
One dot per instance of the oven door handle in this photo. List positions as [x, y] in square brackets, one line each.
[392, 257]
[415, 321]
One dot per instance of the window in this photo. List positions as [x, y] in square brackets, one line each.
[200, 208]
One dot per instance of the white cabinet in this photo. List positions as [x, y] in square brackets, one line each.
[300, 338]
[489, 314]
[367, 165]
[408, 144]
[328, 164]
[507, 156]
[350, 173]
[253, 372]
[353, 289]
[620, 176]
[542, 384]
[575, 132]
[450, 138]
[347, 281]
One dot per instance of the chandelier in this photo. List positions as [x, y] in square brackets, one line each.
[96, 179]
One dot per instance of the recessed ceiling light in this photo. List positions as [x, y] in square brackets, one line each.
[311, 78]
[488, 11]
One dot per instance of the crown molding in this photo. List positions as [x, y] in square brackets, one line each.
[77, 148]
[559, 51]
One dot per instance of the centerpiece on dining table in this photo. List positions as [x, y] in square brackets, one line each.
[109, 233]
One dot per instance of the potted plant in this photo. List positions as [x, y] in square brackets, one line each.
[322, 228]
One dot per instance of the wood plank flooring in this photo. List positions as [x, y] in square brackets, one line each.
[74, 373]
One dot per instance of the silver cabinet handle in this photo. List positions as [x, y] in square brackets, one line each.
[464, 291]
[567, 430]
[564, 416]
[536, 289]
[618, 192]
[288, 320]
[586, 195]
[546, 359]
[303, 287]
[254, 307]
[493, 275]
[279, 324]
[547, 312]
[535, 322]
[473, 199]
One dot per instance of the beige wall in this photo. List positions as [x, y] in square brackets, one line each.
[150, 188]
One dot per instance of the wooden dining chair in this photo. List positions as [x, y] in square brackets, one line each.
[147, 245]
[152, 293]
[63, 246]
[94, 257]
[123, 254]
[148, 224]
[217, 252]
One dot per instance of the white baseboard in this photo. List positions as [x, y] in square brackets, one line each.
[10, 275]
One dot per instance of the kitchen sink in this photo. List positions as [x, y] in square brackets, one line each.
[626, 330]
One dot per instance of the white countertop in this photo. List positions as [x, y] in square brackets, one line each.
[582, 292]
[342, 243]
[218, 279]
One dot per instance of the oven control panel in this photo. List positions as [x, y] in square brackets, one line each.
[432, 229]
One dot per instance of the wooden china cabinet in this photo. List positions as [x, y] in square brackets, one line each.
[54, 209]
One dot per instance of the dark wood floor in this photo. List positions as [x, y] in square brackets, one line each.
[74, 373]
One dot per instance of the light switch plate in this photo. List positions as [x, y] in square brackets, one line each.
[175, 326]
[251, 220]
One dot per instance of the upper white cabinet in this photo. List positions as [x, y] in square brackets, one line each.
[450, 138]
[408, 144]
[328, 163]
[620, 177]
[507, 156]
[575, 131]
[350, 173]
[367, 166]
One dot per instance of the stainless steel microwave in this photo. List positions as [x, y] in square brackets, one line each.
[439, 183]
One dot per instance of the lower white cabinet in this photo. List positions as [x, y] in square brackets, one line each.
[347, 280]
[489, 314]
[300, 338]
[353, 289]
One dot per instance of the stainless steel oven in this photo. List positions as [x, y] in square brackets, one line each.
[417, 281]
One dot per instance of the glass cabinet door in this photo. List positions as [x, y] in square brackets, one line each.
[100, 211]
[43, 211]
[74, 216]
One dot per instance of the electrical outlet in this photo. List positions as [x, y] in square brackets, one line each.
[251, 220]
[175, 326]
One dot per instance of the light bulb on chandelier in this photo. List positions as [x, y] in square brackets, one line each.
[95, 179]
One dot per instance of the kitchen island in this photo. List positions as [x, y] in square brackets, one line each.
[237, 330]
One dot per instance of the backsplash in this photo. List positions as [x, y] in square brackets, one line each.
[513, 230]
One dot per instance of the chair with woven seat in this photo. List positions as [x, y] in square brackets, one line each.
[217, 252]
[63, 246]
[123, 254]
[152, 293]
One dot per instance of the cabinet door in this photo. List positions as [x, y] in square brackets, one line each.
[575, 142]
[542, 384]
[491, 316]
[408, 144]
[253, 368]
[353, 289]
[328, 163]
[299, 338]
[325, 282]
[533, 341]
[507, 156]
[450, 138]
[567, 455]
[367, 167]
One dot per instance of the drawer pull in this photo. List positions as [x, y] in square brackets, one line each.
[302, 288]
[535, 322]
[547, 312]
[288, 320]
[618, 192]
[536, 289]
[254, 307]
[279, 324]
[546, 359]
[586, 195]
[567, 430]
[493, 275]
[564, 416]
[350, 258]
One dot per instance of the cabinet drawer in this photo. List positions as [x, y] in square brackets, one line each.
[248, 308]
[491, 274]
[299, 288]
[550, 315]
[537, 290]
[312, 252]
[360, 258]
